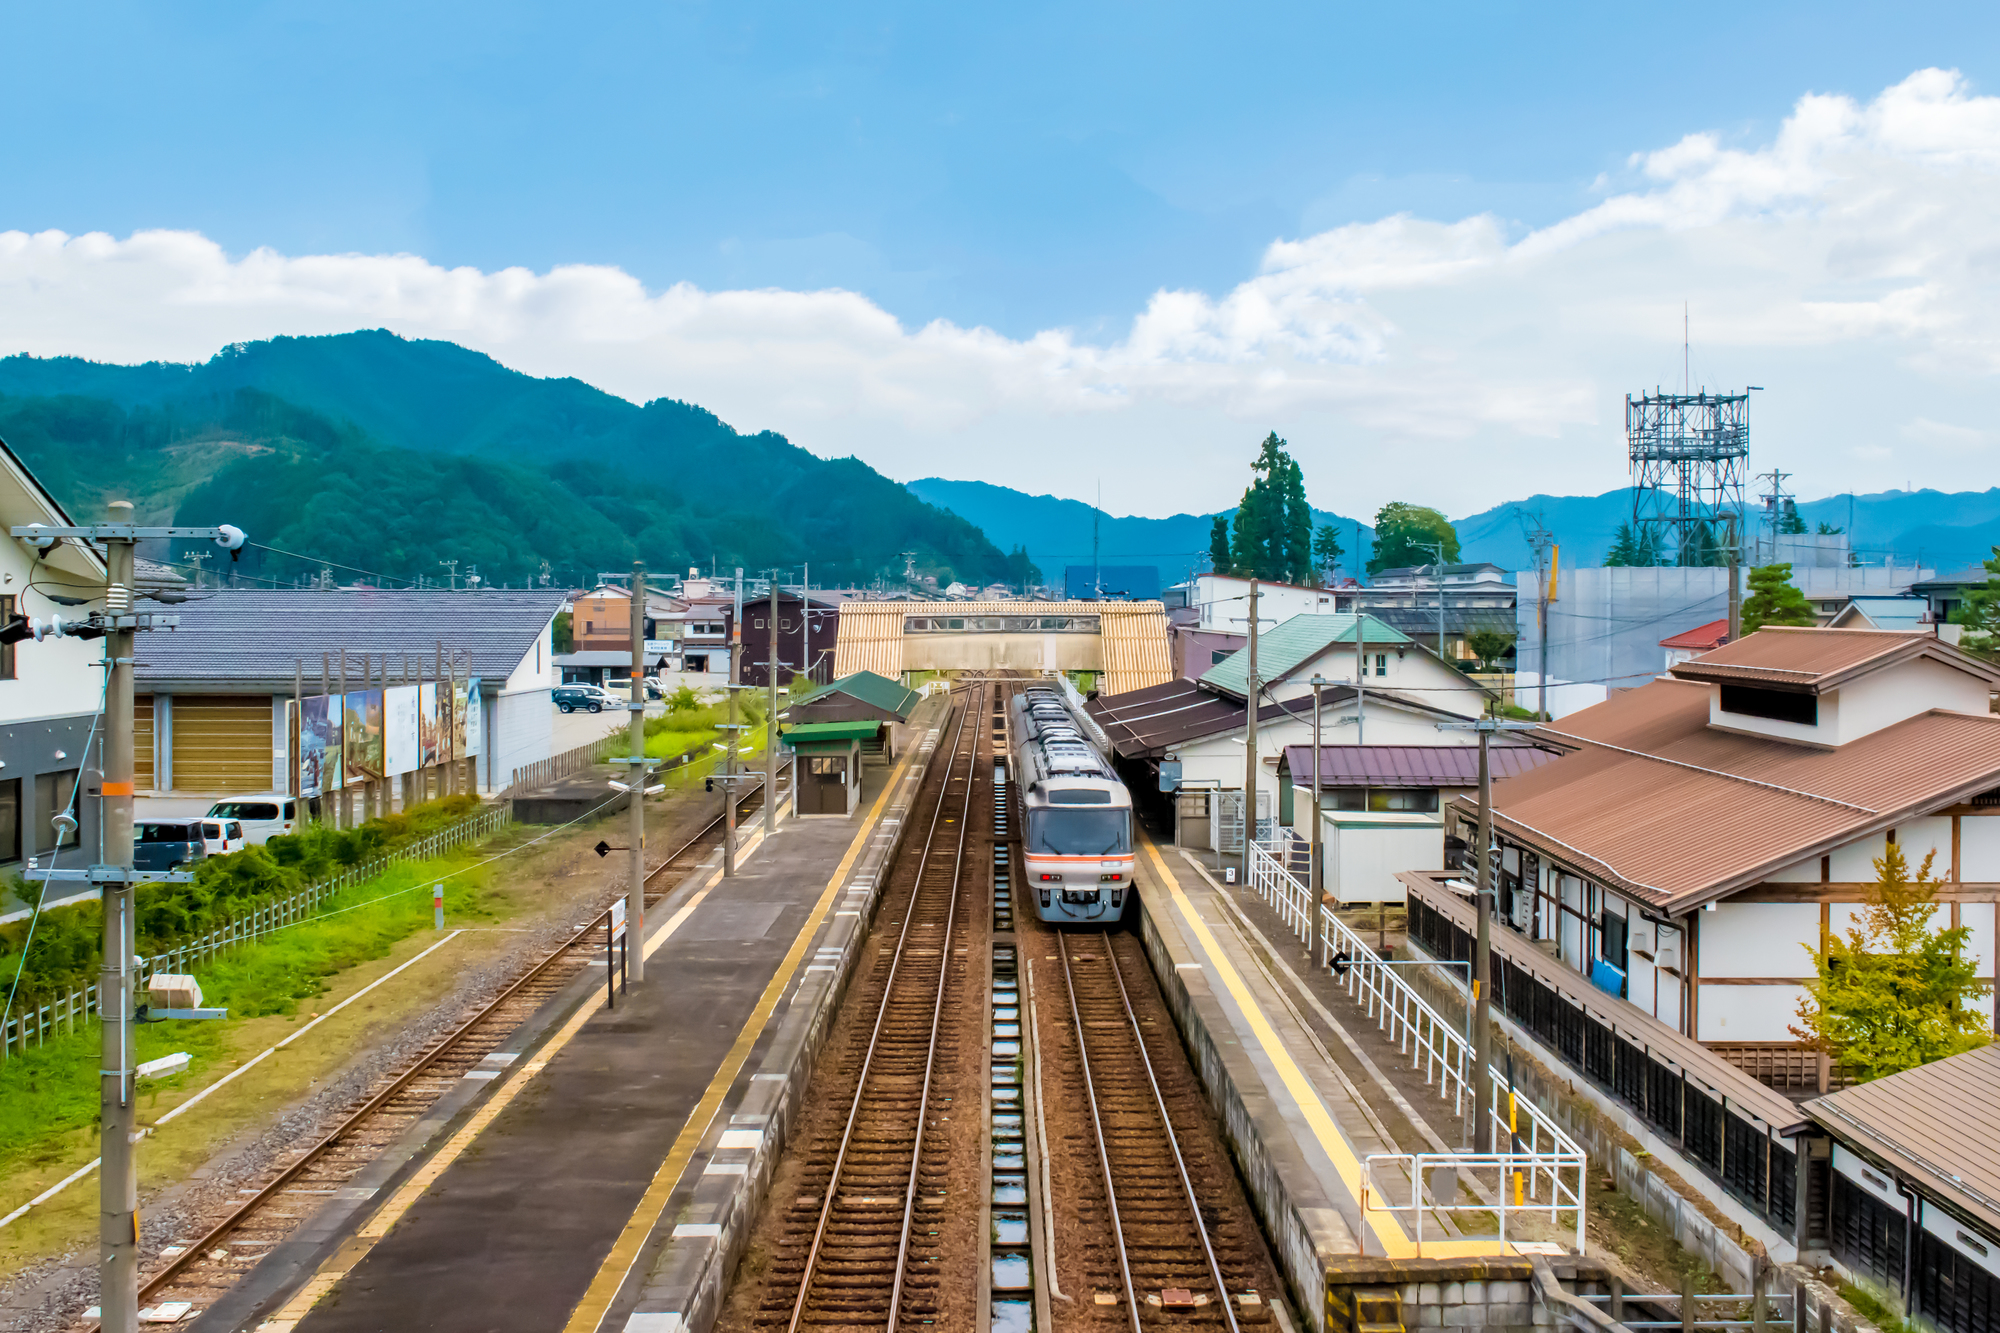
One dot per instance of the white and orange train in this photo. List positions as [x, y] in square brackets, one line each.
[1076, 814]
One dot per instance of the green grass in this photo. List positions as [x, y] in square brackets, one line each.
[1873, 1308]
[49, 1092]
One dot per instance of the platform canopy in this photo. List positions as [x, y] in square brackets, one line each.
[812, 735]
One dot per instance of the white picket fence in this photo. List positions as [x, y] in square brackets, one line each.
[1544, 1175]
[66, 1012]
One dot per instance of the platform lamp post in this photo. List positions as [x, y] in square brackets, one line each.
[118, 1002]
[1316, 872]
[1482, 950]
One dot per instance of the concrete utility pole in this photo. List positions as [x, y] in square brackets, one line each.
[1735, 591]
[805, 628]
[1482, 948]
[1360, 674]
[1322, 947]
[635, 886]
[1250, 737]
[736, 648]
[118, 975]
[771, 718]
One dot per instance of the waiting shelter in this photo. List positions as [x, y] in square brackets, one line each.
[828, 759]
[862, 696]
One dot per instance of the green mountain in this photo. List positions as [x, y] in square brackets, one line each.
[388, 455]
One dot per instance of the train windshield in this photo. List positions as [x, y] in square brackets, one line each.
[1080, 832]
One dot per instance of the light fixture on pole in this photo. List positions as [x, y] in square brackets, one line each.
[1482, 949]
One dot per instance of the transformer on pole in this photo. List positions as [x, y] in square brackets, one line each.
[1689, 453]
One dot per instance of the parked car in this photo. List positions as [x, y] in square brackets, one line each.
[590, 698]
[222, 836]
[168, 844]
[263, 817]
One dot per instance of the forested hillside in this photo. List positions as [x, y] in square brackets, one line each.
[388, 455]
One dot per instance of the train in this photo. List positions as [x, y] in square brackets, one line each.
[1076, 832]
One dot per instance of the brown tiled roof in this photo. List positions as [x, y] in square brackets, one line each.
[1800, 658]
[1658, 803]
[1939, 1123]
[1411, 765]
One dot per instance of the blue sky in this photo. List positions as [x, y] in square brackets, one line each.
[1045, 174]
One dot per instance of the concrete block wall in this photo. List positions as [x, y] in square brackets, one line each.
[1493, 1295]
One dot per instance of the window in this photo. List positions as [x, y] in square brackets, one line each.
[1381, 664]
[52, 797]
[1612, 932]
[1080, 832]
[1777, 705]
[1216, 659]
[1394, 799]
[758, 622]
[10, 820]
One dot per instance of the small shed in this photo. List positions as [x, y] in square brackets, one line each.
[828, 758]
[862, 697]
[1365, 848]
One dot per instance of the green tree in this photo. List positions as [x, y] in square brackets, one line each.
[1774, 601]
[1704, 548]
[1489, 646]
[1980, 612]
[1893, 993]
[1327, 549]
[1789, 522]
[1633, 549]
[1021, 572]
[1827, 529]
[1399, 527]
[561, 639]
[1218, 545]
[1271, 535]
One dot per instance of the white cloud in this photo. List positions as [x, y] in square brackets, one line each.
[1847, 264]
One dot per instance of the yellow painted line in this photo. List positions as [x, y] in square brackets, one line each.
[611, 1274]
[356, 1247]
[1388, 1231]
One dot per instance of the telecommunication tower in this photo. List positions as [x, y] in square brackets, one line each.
[1689, 453]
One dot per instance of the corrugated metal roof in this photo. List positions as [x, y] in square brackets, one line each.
[1819, 659]
[1675, 812]
[1285, 648]
[249, 638]
[1410, 765]
[1939, 1122]
[877, 692]
[829, 731]
[1712, 635]
[1145, 724]
[1132, 635]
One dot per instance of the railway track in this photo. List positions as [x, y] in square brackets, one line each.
[863, 1243]
[1176, 1242]
[203, 1271]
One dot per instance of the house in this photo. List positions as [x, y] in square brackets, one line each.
[213, 696]
[1906, 1188]
[50, 691]
[1893, 613]
[808, 630]
[1206, 615]
[1380, 805]
[1188, 735]
[1946, 594]
[1452, 601]
[1693, 643]
[1660, 886]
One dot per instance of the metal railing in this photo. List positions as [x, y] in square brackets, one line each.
[1415, 1187]
[66, 1012]
[1550, 1171]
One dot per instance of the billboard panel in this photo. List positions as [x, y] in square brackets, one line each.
[475, 723]
[362, 730]
[431, 738]
[400, 740]
[320, 745]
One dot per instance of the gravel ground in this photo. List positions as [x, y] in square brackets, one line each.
[46, 1295]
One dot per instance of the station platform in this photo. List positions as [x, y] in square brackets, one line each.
[1300, 1099]
[591, 1176]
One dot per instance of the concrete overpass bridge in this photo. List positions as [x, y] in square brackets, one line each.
[1126, 642]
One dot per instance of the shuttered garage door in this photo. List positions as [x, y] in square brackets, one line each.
[142, 741]
[222, 743]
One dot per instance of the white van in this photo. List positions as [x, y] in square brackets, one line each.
[262, 817]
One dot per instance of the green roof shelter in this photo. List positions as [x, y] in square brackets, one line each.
[828, 764]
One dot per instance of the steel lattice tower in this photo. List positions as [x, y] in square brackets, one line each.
[1689, 453]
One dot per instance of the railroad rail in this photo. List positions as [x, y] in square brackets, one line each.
[209, 1267]
[862, 1242]
[1185, 1251]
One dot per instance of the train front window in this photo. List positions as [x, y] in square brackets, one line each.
[1080, 832]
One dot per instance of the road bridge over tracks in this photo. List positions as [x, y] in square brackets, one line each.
[1124, 641]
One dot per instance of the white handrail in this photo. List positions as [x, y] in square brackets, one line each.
[1533, 1183]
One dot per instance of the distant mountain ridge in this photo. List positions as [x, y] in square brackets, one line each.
[376, 451]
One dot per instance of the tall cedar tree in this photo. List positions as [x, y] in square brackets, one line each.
[1633, 549]
[1218, 545]
[1327, 549]
[1980, 612]
[1774, 601]
[1894, 993]
[1272, 537]
[1400, 527]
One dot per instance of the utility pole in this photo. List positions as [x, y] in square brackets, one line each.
[118, 975]
[771, 717]
[1250, 738]
[736, 648]
[805, 629]
[1322, 947]
[1439, 567]
[1547, 556]
[1482, 949]
[1735, 591]
[1360, 674]
[452, 565]
[1096, 570]
[635, 886]
[729, 786]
